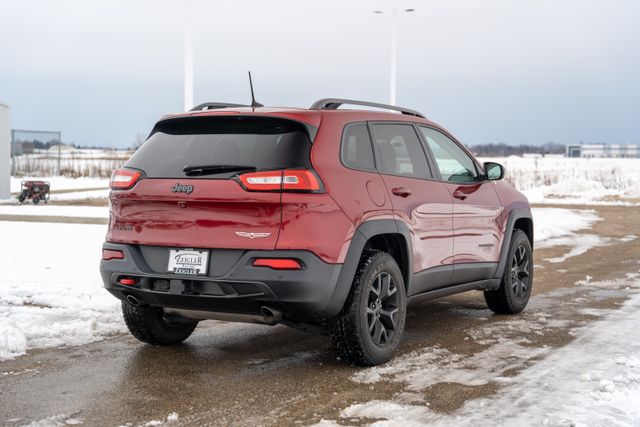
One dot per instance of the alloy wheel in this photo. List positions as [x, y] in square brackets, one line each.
[382, 309]
[520, 274]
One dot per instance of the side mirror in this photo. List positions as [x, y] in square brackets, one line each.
[493, 171]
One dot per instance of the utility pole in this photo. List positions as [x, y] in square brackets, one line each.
[393, 57]
[188, 55]
[393, 54]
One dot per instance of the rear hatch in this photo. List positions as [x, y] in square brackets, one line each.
[210, 182]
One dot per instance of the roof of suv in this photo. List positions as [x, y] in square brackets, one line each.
[312, 116]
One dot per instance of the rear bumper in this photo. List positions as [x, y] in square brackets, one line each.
[232, 286]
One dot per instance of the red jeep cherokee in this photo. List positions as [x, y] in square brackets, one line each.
[324, 219]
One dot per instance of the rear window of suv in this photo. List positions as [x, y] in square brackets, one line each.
[256, 142]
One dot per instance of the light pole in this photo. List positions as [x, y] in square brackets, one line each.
[394, 49]
[188, 55]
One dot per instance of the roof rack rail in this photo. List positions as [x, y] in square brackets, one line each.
[216, 106]
[335, 103]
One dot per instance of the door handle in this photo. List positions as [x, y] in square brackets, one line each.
[401, 191]
[460, 195]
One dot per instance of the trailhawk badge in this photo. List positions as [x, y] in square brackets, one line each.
[252, 235]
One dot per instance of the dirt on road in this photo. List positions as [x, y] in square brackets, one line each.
[237, 374]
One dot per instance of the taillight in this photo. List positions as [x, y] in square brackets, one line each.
[122, 179]
[278, 263]
[303, 180]
[108, 254]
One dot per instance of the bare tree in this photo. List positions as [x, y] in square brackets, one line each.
[138, 140]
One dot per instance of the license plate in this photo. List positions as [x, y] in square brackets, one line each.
[192, 262]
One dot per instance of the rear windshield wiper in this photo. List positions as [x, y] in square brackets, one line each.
[214, 169]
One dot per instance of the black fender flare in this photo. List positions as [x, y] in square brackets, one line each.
[516, 214]
[363, 233]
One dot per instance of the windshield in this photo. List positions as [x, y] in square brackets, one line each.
[179, 145]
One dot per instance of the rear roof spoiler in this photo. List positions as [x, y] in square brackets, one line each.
[216, 106]
[335, 103]
[311, 129]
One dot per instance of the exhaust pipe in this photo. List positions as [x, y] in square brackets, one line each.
[133, 301]
[271, 316]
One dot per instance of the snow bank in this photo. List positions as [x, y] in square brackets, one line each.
[51, 293]
[573, 181]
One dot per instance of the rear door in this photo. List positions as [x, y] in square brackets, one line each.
[191, 193]
[423, 203]
[476, 211]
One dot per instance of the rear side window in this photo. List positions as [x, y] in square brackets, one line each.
[400, 150]
[356, 149]
[254, 142]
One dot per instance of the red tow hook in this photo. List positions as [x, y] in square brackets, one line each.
[128, 281]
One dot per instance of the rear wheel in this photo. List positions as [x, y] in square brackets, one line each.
[369, 328]
[150, 326]
[36, 200]
[515, 289]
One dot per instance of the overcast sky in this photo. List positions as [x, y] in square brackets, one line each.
[526, 71]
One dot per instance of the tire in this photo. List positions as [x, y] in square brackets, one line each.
[369, 328]
[35, 200]
[517, 279]
[149, 326]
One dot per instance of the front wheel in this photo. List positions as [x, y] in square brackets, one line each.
[149, 325]
[369, 328]
[517, 279]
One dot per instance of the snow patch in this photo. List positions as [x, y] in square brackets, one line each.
[12, 341]
[58, 420]
[425, 367]
[555, 223]
[595, 380]
[170, 419]
[53, 295]
[560, 226]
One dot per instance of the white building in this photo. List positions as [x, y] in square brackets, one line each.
[603, 150]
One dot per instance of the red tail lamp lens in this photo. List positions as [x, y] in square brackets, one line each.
[128, 281]
[278, 263]
[287, 180]
[108, 254]
[122, 179]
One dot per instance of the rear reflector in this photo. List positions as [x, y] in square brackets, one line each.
[122, 179]
[108, 254]
[286, 180]
[278, 263]
[127, 281]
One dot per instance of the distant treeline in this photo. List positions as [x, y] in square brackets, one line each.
[504, 150]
